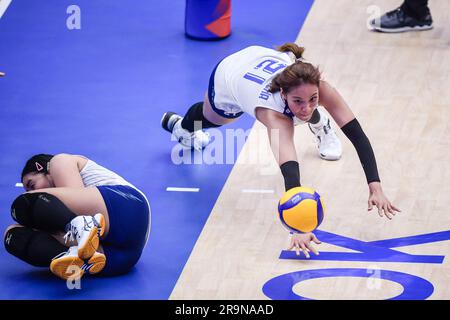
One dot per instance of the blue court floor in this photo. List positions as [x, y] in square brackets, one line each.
[101, 91]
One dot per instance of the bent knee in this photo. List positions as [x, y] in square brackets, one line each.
[15, 239]
[22, 208]
[11, 227]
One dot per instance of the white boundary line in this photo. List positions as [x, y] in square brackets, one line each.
[257, 191]
[175, 189]
[19, 185]
[4, 4]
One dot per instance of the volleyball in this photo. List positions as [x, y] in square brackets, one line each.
[301, 210]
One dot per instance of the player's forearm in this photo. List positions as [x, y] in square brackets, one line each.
[283, 148]
[291, 174]
[356, 135]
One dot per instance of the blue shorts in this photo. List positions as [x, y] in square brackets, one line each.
[129, 227]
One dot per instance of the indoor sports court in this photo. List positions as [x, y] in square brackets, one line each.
[94, 77]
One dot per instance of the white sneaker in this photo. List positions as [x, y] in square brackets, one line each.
[86, 230]
[68, 265]
[197, 140]
[329, 145]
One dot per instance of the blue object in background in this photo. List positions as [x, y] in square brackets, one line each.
[208, 19]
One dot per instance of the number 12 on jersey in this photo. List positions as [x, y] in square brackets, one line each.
[268, 67]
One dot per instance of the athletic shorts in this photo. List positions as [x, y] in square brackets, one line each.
[221, 102]
[129, 228]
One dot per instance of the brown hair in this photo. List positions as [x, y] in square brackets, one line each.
[297, 73]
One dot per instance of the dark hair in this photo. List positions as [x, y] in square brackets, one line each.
[296, 74]
[37, 163]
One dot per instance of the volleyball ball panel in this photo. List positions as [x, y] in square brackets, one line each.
[301, 210]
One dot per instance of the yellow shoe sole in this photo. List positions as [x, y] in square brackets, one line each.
[67, 268]
[96, 263]
[70, 267]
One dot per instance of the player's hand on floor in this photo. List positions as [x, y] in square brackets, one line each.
[303, 242]
[378, 199]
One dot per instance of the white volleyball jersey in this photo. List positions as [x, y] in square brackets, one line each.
[94, 174]
[242, 80]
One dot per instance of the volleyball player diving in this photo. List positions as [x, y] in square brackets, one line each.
[280, 89]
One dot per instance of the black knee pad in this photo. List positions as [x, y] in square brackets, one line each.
[22, 208]
[16, 241]
[315, 117]
[195, 114]
[34, 247]
[41, 210]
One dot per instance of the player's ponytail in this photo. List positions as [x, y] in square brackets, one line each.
[292, 47]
